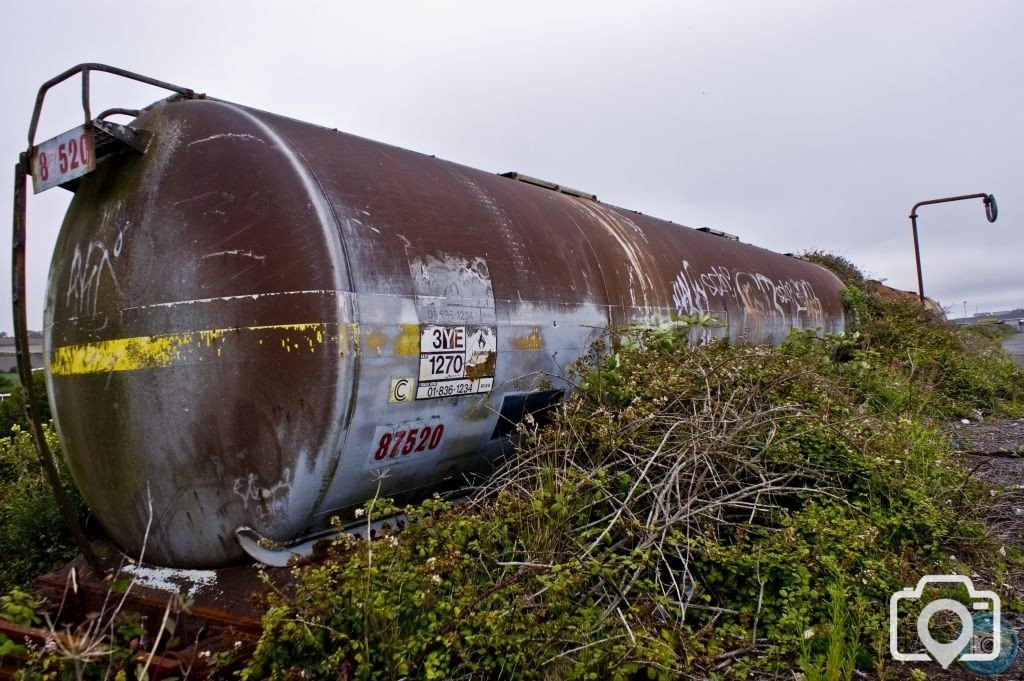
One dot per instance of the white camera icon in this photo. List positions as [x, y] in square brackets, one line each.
[946, 653]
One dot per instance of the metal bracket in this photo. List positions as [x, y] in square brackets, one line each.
[133, 137]
[513, 175]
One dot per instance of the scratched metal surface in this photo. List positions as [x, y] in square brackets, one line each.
[245, 324]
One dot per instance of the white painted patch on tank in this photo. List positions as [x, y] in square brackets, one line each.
[230, 135]
[238, 252]
[452, 289]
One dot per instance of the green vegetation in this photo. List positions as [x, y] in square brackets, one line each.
[691, 510]
[996, 332]
[847, 272]
[929, 368]
[32, 530]
[12, 409]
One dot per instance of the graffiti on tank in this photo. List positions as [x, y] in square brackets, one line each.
[688, 294]
[756, 293]
[268, 501]
[88, 270]
[86, 277]
[760, 295]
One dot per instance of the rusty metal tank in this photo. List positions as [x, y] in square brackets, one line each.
[263, 322]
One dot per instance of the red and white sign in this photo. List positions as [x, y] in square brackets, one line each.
[63, 158]
[392, 444]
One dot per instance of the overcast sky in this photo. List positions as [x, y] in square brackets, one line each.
[794, 125]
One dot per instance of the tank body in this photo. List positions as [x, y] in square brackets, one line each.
[263, 322]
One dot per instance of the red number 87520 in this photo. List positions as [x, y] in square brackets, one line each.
[408, 441]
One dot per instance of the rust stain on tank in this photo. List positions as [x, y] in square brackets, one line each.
[482, 369]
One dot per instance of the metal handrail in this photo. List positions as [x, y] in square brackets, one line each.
[85, 69]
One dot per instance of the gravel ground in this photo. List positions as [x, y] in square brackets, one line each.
[1003, 437]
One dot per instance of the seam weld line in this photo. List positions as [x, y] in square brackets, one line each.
[187, 347]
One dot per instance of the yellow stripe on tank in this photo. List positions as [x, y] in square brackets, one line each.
[187, 347]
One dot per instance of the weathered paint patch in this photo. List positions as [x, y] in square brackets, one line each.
[375, 341]
[452, 289]
[348, 336]
[188, 347]
[531, 341]
[408, 342]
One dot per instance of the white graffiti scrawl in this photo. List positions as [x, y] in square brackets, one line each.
[269, 502]
[86, 277]
[90, 265]
[755, 293]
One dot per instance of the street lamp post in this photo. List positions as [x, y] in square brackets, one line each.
[991, 212]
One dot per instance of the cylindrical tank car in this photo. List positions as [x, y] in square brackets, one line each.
[251, 320]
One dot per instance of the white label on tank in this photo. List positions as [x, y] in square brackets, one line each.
[456, 360]
[401, 390]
